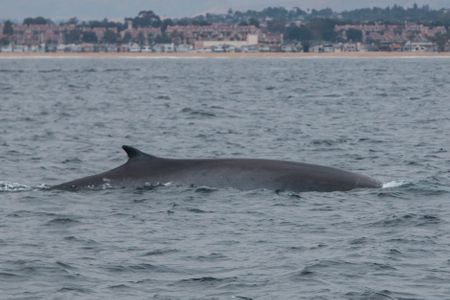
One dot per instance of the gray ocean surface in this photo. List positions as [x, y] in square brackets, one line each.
[61, 119]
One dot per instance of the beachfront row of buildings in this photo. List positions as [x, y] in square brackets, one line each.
[219, 38]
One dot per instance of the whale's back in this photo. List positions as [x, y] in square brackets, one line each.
[243, 174]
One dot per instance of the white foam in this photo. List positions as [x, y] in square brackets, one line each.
[106, 186]
[393, 184]
[13, 187]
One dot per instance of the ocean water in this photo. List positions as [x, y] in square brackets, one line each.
[62, 119]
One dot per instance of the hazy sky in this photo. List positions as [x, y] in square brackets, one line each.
[117, 9]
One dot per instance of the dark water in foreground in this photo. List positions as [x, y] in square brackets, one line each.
[61, 119]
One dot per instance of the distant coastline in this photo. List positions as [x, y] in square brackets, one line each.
[274, 31]
[225, 55]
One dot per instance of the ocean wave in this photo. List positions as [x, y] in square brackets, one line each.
[206, 281]
[410, 219]
[50, 71]
[200, 113]
[62, 221]
[121, 69]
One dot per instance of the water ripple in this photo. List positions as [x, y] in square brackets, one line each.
[66, 118]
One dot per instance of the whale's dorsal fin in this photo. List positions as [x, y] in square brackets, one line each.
[135, 153]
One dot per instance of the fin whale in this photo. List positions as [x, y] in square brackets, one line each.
[243, 174]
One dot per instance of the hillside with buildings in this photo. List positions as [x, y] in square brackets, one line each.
[274, 29]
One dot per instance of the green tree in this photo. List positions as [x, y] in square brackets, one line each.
[254, 22]
[166, 23]
[163, 39]
[441, 39]
[37, 21]
[276, 13]
[147, 18]
[294, 33]
[4, 41]
[105, 23]
[89, 37]
[323, 29]
[73, 21]
[278, 26]
[306, 45]
[354, 35]
[200, 22]
[8, 28]
[110, 37]
[183, 21]
[72, 36]
[141, 38]
[127, 38]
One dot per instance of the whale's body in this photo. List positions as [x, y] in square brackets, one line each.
[243, 174]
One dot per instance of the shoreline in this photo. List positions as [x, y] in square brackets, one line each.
[14, 55]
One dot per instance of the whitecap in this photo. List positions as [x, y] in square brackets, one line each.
[13, 187]
[393, 184]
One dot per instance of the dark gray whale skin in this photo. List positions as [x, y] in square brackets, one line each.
[243, 174]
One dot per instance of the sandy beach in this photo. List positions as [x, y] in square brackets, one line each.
[223, 55]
